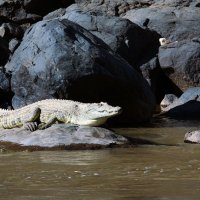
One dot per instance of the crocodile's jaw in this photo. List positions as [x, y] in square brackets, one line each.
[95, 121]
[92, 122]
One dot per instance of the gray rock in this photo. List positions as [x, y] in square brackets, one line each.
[120, 7]
[191, 94]
[178, 21]
[168, 100]
[184, 58]
[123, 37]
[110, 7]
[62, 135]
[175, 20]
[192, 137]
[186, 107]
[60, 59]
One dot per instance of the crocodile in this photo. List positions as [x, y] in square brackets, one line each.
[44, 113]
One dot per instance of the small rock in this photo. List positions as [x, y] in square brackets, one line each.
[13, 44]
[168, 99]
[192, 137]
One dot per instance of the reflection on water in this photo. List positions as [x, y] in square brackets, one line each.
[160, 121]
[169, 171]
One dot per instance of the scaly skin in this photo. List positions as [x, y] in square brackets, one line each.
[50, 111]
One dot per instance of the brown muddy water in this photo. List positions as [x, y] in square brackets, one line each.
[168, 170]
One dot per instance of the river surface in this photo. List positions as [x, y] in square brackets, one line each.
[168, 170]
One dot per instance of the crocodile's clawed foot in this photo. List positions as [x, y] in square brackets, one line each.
[50, 122]
[31, 126]
[42, 126]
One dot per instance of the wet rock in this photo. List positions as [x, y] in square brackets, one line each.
[76, 65]
[134, 44]
[62, 135]
[192, 137]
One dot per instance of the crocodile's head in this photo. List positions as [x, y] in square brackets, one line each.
[94, 114]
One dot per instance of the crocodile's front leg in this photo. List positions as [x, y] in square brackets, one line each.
[30, 120]
[52, 120]
[31, 126]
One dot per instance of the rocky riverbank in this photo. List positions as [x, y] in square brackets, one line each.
[94, 51]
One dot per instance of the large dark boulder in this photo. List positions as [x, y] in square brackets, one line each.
[133, 43]
[60, 59]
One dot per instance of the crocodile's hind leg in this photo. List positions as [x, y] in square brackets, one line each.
[30, 120]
